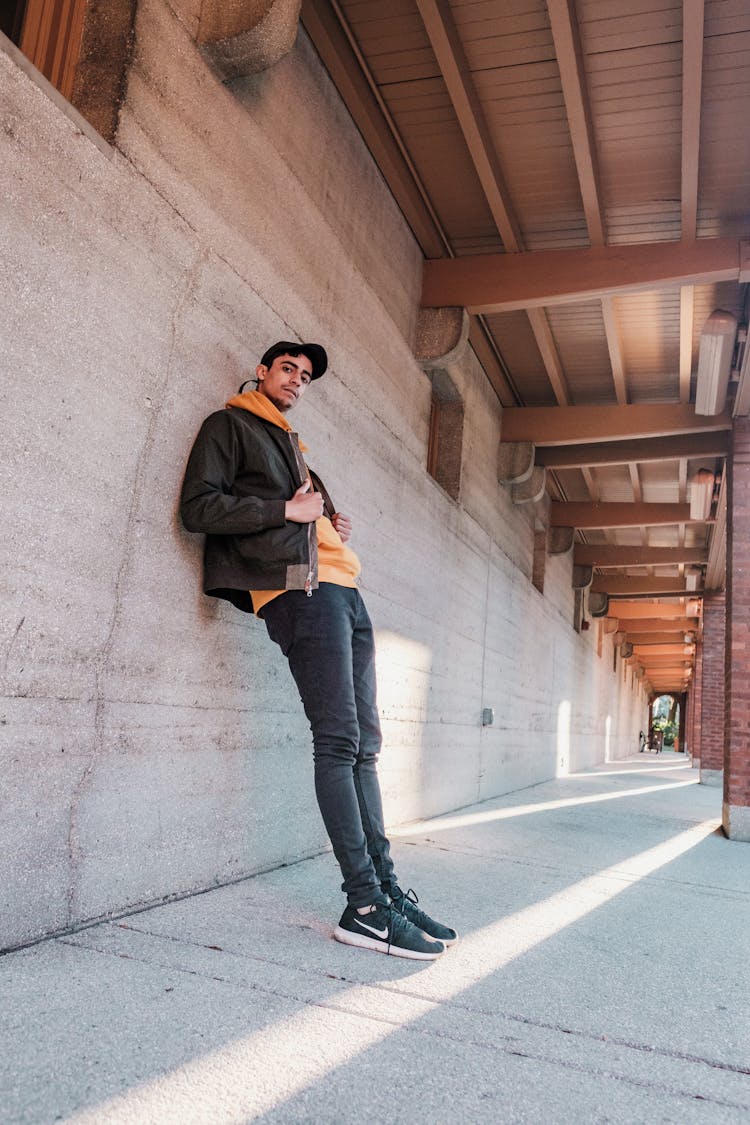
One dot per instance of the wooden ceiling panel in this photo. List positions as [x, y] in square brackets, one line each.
[515, 340]
[582, 347]
[650, 329]
[491, 95]
[724, 170]
[659, 482]
[609, 26]
[613, 481]
[426, 121]
[635, 87]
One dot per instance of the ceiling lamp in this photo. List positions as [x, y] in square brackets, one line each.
[742, 397]
[701, 495]
[715, 362]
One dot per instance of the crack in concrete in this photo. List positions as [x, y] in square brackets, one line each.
[11, 643]
[75, 851]
[514, 1017]
[436, 1033]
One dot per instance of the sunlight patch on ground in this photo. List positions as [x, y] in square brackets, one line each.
[486, 816]
[245, 1079]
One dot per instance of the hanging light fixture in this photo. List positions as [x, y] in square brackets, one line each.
[715, 362]
[701, 494]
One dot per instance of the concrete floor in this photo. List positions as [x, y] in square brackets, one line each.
[602, 976]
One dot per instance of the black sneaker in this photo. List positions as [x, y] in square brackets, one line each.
[406, 904]
[386, 930]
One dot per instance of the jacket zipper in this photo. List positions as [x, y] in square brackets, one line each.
[309, 579]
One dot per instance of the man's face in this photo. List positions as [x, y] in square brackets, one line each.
[285, 381]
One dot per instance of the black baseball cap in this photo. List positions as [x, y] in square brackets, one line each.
[314, 352]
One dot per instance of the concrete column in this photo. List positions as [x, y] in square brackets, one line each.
[737, 715]
[712, 690]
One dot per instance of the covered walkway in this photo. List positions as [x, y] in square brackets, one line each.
[601, 977]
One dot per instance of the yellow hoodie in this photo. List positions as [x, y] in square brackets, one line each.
[336, 562]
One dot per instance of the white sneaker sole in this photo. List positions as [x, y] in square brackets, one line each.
[363, 942]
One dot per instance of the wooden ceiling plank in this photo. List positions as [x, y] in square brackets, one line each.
[550, 357]
[483, 344]
[609, 555]
[687, 312]
[562, 425]
[712, 444]
[570, 62]
[336, 45]
[486, 283]
[446, 45]
[612, 331]
[692, 82]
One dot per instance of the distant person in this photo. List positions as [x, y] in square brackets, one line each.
[276, 545]
[641, 742]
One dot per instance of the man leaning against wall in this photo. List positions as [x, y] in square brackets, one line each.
[276, 546]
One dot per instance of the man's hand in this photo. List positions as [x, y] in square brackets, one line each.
[305, 506]
[343, 525]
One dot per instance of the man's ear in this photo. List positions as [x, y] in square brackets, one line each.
[260, 371]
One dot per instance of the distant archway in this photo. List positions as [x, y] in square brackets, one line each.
[664, 722]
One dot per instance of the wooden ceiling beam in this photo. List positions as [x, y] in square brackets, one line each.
[572, 77]
[653, 638]
[628, 611]
[592, 514]
[487, 283]
[612, 555]
[564, 425]
[682, 651]
[333, 40]
[692, 84]
[446, 45]
[632, 586]
[643, 625]
[449, 54]
[712, 444]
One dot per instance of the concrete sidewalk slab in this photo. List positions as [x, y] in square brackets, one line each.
[601, 976]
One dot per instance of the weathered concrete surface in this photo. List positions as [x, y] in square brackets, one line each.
[151, 740]
[585, 986]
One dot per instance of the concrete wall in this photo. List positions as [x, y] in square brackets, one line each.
[152, 741]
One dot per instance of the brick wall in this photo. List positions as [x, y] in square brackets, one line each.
[696, 727]
[737, 714]
[713, 684]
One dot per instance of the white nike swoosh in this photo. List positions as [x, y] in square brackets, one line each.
[378, 933]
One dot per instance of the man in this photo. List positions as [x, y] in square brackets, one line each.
[276, 546]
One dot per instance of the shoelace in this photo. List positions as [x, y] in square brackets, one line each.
[406, 896]
[396, 921]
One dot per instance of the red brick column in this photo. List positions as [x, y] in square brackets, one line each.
[713, 703]
[696, 748]
[737, 715]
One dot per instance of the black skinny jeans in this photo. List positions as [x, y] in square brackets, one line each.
[328, 641]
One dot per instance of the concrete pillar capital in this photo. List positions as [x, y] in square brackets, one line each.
[442, 336]
[583, 576]
[242, 37]
[560, 540]
[532, 489]
[598, 606]
[515, 461]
